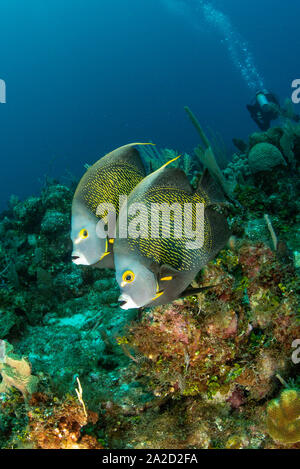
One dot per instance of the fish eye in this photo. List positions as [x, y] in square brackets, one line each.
[128, 276]
[83, 233]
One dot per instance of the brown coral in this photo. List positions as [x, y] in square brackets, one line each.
[55, 424]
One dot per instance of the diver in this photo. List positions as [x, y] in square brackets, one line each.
[266, 108]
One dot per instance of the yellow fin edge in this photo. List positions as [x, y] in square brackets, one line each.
[158, 294]
[139, 143]
[103, 255]
[106, 250]
[171, 161]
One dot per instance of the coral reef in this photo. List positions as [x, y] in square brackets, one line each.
[199, 373]
[59, 428]
[273, 191]
[230, 341]
[264, 157]
[47, 422]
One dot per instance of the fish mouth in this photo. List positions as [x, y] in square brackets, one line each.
[122, 303]
[78, 259]
[126, 302]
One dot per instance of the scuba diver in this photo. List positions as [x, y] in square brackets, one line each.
[267, 108]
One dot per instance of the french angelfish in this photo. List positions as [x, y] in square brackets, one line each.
[117, 173]
[157, 271]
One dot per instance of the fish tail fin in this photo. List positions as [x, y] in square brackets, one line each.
[210, 189]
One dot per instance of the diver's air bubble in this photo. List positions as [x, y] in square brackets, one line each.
[199, 11]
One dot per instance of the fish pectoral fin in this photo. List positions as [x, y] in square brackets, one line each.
[194, 291]
[166, 272]
[211, 187]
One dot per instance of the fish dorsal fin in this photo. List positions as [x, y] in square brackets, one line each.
[116, 173]
[172, 177]
[220, 232]
[210, 189]
[166, 176]
[127, 154]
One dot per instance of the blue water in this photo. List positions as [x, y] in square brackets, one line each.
[86, 76]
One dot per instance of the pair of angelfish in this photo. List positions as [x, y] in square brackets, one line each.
[149, 270]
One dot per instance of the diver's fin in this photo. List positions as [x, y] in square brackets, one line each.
[194, 291]
[209, 188]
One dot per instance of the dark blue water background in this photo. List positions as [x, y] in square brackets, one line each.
[86, 76]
